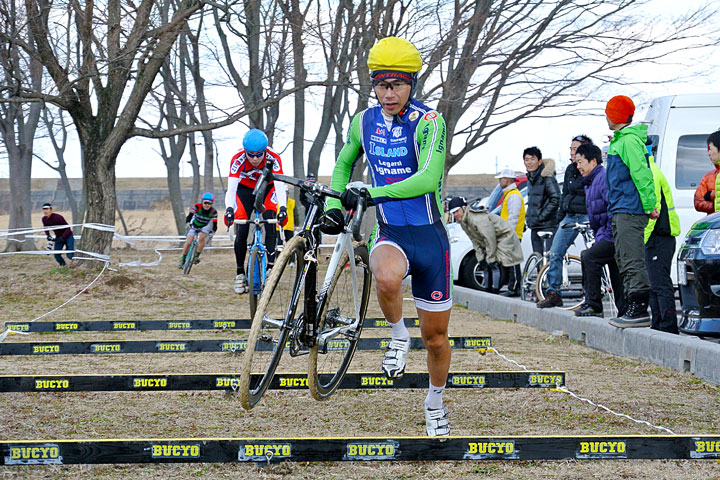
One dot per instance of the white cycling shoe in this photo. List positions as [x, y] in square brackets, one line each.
[393, 364]
[436, 422]
[240, 284]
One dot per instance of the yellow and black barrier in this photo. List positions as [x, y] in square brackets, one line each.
[281, 381]
[338, 449]
[195, 346]
[166, 325]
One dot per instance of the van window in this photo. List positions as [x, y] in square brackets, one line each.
[692, 161]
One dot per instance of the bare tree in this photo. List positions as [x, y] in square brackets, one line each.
[18, 120]
[102, 74]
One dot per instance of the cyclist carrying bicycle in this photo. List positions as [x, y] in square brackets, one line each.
[245, 169]
[201, 221]
[404, 142]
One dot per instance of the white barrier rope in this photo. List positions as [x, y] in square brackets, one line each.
[564, 389]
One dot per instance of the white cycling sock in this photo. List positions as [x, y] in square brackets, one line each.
[434, 399]
[399, 330]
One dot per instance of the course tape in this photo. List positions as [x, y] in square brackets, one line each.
[195, 346]
[565, 390]
[164, 325]
[281, 381]
[334, 449]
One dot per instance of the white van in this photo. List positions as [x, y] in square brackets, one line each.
[678, 126]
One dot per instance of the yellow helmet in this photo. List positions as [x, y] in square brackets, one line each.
[393, 53]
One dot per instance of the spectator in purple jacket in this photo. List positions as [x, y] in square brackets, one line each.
[61, 237]
[588, 159]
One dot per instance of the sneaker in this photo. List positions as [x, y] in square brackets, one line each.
[636, 316]
[588, 311]
[552, 299]
[196, 260]
[181, 263]
[510, 293]
[436, 422]
[240, 284]
[393, 364]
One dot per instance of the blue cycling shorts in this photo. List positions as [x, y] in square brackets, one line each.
[427, 251]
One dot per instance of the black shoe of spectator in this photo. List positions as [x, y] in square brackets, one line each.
[588, 311]
[552, 299]
[636, 316]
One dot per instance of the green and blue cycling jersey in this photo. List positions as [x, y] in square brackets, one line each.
[407, 161]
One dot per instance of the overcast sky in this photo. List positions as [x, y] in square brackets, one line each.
[139, 157]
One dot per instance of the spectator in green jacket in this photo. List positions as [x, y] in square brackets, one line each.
[631, 199]
[660, 236]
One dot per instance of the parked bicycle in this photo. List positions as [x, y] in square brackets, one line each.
[293, 314]
[257, 258]
[531, 270]
[572, 287]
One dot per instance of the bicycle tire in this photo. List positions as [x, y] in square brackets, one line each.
[326, 370]
[256, 266]
[529, 277]
[189, 258]
[264, 350]
[540, 285]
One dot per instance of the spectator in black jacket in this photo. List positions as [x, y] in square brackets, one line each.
[572, 210]
[543, 197]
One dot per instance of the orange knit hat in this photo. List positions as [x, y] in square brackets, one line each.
[620, 109]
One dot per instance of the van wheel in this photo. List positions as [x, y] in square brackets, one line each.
[472, 274]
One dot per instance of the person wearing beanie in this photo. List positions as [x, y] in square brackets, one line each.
[631, 202]
[404, 142]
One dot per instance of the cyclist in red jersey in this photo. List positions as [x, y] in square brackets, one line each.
[245, 170]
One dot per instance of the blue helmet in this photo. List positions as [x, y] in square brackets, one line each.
[255, 141]
[208, 196]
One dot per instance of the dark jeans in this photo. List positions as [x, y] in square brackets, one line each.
[593, 260]
[628, 233]
[68, 243]
[659, 252]
[541, 245]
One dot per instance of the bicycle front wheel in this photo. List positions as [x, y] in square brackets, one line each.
[571, 290]
[190, 257]
[273, 320]
[529, 277]
[327, 366]
[256, 280]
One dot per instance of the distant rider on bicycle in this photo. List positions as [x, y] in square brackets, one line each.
[245, 170]
[201, 221]
[404, 142]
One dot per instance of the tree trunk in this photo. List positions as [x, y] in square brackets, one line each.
[209, 174]
[20, 163]
[99, 193]
[175, 194]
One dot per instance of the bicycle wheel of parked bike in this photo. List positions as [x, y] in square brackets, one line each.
[571, 289]
[256, 283]
[327, 366]
[190, 257]
[529, 277]
[272, 323]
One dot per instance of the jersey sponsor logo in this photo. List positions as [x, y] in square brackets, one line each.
[393, 152]
[430, 116]
[396, 132]
[398, 140]
[413, 116]
[253, 452]
[235, 167]
[277, 168]
[375, 138]
[436, 295]
[175, 451]
[608, 449]
[380, 131]
[37, 454]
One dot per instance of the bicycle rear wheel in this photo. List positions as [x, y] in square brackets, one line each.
[256, 282]
[273, 320]
[190, 257]
[571, 290]
[529, 277]
[336, 308]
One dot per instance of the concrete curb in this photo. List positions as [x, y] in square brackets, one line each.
[684, 353]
